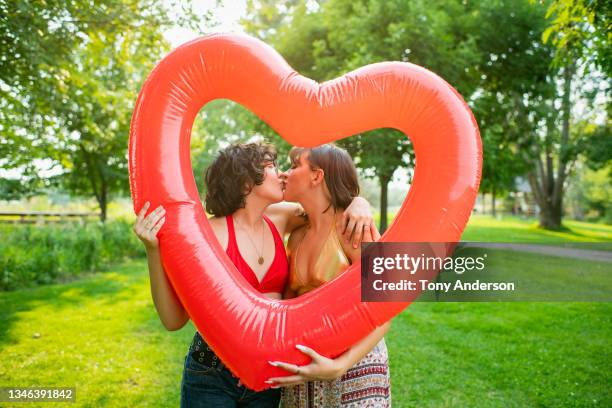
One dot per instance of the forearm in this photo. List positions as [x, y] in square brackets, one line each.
[289, 216]
[171, 312]
[363, 347]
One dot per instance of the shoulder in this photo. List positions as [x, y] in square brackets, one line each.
[217, 222]
[283, 208]
[219, 227]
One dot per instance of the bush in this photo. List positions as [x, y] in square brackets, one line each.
[32, 254]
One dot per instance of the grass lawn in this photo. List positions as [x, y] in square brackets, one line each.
[515, 229]
[101, 334]
[486, 228]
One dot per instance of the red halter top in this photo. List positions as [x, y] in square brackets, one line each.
[276, 276]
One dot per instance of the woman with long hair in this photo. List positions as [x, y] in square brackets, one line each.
[324, 181]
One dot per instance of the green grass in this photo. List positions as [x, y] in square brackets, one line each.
[486, 228]
[502, 355]
[101, 334]
[515, 229]
[536, 278]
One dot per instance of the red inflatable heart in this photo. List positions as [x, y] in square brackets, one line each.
[245, 328]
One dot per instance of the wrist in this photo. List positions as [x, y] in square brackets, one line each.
[363, 201]
[152, 250]
[343, 367]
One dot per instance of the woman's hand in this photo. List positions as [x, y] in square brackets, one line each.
[146, 228]
[320, 368]
[357, 222]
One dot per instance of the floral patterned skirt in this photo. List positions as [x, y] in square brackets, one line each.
[366, 384]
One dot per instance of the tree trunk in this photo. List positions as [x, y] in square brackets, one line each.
[548, 188]
[493, 202]
[103, 203]
[550, 211]
[99, 189]
[384, 188]
[484, 208]
[551, 218]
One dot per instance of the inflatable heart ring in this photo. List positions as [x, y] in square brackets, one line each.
[245, 328]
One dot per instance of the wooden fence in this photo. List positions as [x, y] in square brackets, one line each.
[42, 217]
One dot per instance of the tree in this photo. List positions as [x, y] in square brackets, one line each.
[581, 31]
[70, 93]
[323, 40]
[518, 71]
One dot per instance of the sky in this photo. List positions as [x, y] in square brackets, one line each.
[228, 18]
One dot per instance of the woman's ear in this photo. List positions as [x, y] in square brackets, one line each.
[318, 176]
[247, 188]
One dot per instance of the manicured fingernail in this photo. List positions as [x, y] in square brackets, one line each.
[300, 347]
[273, 363]
[269, 382]
[275, 386]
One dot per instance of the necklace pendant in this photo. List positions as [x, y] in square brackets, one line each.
[260, 260]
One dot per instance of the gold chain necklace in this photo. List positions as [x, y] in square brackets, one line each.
[260, 259]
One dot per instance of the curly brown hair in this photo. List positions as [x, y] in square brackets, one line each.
[236, 166]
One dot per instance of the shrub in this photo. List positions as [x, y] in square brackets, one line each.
[39, 254]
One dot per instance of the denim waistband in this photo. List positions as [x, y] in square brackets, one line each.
[203, 353]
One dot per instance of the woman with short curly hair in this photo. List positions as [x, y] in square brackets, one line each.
[244, 194]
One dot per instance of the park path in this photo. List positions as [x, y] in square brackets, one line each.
[577, 253]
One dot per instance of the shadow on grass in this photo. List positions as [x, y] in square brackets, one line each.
[110, 287]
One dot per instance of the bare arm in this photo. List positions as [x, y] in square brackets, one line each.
[359, 350]
[352, 224]
[370, 234]
[286, 216]
[323, 368]
[169, 308]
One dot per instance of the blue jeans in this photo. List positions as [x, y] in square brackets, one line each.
[208, 383]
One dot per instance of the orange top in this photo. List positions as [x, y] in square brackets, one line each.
[331, 262]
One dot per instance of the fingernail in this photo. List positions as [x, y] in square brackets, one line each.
[300, 347]
[275, 386]
[273, 363]
[269, 382]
